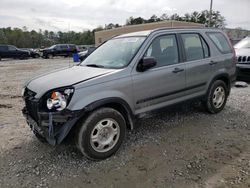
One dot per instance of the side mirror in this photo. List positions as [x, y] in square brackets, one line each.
[146, 63]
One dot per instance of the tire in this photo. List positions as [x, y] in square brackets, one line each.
[0, 58]
[39, 137]
[100, 135]
[217, 97]
[49, 56]
[23, 57]
[35, 56]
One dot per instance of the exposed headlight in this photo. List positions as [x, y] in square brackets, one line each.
[58, 100]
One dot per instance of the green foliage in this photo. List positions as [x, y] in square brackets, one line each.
[33, 39]
[23, 38]
[217, 20]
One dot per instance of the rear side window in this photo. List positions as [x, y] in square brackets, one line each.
[220, 42]
[3, 48]
[195, 46]
[72, 46]
[64, 46]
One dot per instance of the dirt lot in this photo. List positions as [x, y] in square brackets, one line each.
[179, 147]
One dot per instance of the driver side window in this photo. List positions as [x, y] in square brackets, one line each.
[164, 49]
[11, 48]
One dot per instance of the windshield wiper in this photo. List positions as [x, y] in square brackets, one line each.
[95, 65]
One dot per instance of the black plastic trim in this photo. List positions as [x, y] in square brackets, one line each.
[170, 93]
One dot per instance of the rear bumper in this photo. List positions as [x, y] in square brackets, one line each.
[53, 126]
[243, 72]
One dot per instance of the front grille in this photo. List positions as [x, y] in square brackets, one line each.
[31, 103]
[243, 59]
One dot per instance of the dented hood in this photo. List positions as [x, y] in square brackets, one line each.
[64, 77]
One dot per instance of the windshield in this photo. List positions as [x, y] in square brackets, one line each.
[115, 53]
[244, 43]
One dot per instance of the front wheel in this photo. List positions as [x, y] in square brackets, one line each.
[217, 97]
[101, 134]
[49, 56]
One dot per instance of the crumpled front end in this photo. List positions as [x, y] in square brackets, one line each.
[53, 126]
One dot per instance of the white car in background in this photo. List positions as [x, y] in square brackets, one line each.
[242, 50]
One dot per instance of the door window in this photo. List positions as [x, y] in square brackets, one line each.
[64, 47]
[195, 47]
[12, 48]
[164, 49]
[3, 48]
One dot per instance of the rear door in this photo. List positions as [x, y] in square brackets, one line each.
[4, 51]
[223, 57]
[12, 52]
[198, 63]
[65, 49]
[164, 83]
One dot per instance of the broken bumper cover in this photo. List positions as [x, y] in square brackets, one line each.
[53, 126]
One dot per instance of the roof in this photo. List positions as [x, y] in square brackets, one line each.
[138, 33]
[147, 32]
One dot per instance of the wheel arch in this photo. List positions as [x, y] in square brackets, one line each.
[225, 78]
[116, 103]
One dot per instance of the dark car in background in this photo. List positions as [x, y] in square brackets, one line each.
[84, 54]
[33, 53]
[242, 50]
[10, 51]
[65, 50]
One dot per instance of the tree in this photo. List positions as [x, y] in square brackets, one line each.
[135, 21]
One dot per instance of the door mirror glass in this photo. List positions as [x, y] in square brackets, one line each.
[146, 63]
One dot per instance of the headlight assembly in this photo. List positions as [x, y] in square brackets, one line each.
[58, 100]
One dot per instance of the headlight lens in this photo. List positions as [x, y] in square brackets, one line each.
[58, 100]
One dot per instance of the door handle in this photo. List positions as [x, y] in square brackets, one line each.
[176, 70]
[213, 62]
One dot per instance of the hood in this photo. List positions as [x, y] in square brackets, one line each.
[64, 77]
[22, 50]
[83, 53]
[45, 49]
[242, 51]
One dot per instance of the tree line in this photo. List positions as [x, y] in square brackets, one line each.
[23, 38]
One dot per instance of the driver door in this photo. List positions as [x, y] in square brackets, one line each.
[164, 83]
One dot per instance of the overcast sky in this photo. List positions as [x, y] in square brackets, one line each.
[79, 15]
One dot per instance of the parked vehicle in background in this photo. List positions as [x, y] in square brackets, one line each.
[125, 77]
[10, 51]
[84, 54]
[65, 50]
[242, 50]
[82, 48]
[33, 53]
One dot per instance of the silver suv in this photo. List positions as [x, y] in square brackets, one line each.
[128, 75]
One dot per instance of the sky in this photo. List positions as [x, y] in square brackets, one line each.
[80, 15]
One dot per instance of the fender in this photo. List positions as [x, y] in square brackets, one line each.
[224, 77]
[117, 103]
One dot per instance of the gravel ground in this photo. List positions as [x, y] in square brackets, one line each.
[178, 147]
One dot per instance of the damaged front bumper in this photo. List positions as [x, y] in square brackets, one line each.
[53, 126]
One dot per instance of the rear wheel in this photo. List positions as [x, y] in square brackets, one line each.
[100, 135]
[217, 97]
[0, 58]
